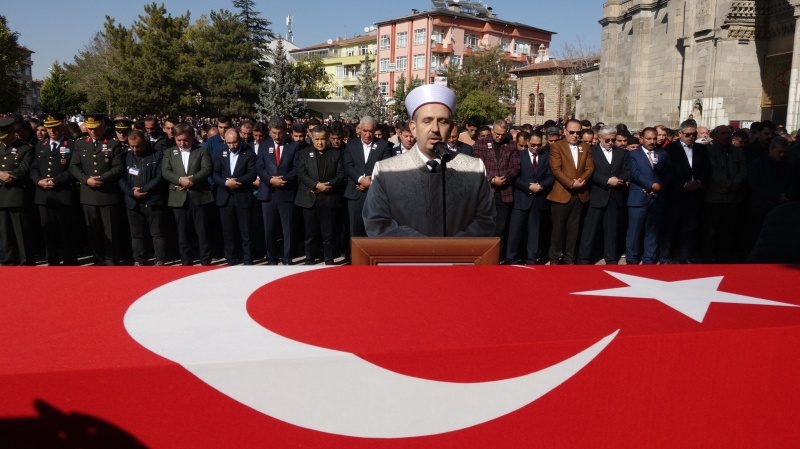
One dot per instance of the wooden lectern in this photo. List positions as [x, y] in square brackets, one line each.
[425, 250]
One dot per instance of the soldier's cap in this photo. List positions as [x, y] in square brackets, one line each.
[92, 121]
[6, 126]
[123, 125]
[54, 119]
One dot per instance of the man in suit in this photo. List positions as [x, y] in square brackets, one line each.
[360, 156]
[530, 197]
[691, 169]
[276, 165]
[406, 141]
[501, 158]
[217, 143]
[454, 145]
[145, 192]
[16, 158]
[234, 173]
[607, 198]
[97, 164]
[650, 176]
[187, 166]
[56, 195]
[320, 172]
[573, 165]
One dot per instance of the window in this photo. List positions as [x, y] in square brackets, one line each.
[363, 50]
[419, 62]
[384, 89]
[436, 61]
[402, 39]
[437, 36]
[522, 47]
[340, 72]
[384, 65]
[471, 41]
[456, 60]
[531, 104]
[401, 63]
[541, 104]
[385, 42]
[340, 91]
[350, 51]
[506, 44]
[419, 36]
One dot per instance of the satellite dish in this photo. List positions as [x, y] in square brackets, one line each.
[330, 41]
[366, 29]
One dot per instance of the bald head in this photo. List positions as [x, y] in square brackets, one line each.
[136, 142]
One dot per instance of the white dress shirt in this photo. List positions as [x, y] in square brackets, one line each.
[234, 156]
[574, 149]
[185, 159]
[367, 149]
[608, 153]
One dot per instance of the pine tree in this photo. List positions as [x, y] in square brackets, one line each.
[57, 94]
[368, 101]
[258, 27]
[401, 91]
[11, 58]
[280, 91]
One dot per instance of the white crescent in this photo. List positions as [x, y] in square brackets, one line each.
[201, 322]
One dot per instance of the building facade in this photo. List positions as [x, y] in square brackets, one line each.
[418, 45]
[723, 61]
[31, 86]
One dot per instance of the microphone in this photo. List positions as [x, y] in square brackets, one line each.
[441, 149]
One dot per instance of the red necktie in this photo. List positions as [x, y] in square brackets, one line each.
[277, 155]
[534, 163]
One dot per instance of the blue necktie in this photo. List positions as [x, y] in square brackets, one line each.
[434, 166]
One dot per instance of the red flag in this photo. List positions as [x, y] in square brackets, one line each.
[537, 88]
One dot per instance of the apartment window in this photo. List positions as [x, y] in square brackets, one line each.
[402, 63]
[419, 36]
[541, 104]
[385, 42]
[340, 91]
[456, 60]
[350, 51]
[340, 72]
[471, 41]
[437, 36]
[363, 50]
[436, 61]
[384, 65]
[384, 89]
[522, 47]
[506, 44]
[402, 39]
[419, 62]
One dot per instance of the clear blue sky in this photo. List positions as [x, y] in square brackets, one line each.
[56, 30]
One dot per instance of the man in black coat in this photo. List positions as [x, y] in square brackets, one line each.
[16, 157]
[691, 170]
[456, 145]
[97, 164]
[56, 192]
[234, 174]
[360, 156]
[145, 197]
[320, 172]
[607, 197]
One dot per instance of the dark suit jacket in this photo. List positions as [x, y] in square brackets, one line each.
[89, 160]
[307, 174]
[267, 167]
[200, 166]
[244, 172]
[48, 165]
[463, 148]
[355, 166]
[682, 171]
[150, 171]
[17, 158]
[643, 176]
[620, 168]
[523, 198]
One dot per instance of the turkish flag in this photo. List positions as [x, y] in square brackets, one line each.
[81, 367]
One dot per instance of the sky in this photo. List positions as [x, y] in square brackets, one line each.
[57, 30]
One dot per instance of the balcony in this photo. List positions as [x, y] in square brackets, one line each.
[437, 47]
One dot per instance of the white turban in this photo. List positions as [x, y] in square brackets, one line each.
[430, 93]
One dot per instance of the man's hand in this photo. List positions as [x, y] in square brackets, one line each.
[137, 193]
[578, 183]
[656, 187]
[691, 186]
[614, 181]
[46, 184]
[7, 177]
[721, 189]
[360, 188]
[735, 186]
[783, 199]
[232, 183]
[186, 182]
[323, 187]
[534, 187]
[498, 181]
[257, 182]
[365, 182]
[277, 181]
[94, 182]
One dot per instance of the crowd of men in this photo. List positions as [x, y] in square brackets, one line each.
[253, 191]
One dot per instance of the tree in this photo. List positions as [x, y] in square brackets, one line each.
[314, 81]
[481, 103]
[280, 92]
[368, 99]
[580, 55]
[257, 27]
[57, 94]
[11, 58]
[401, 90]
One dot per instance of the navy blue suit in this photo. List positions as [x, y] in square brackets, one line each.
[277, 202]
[236, 204]
[645, 207]
[463, 148]
[214, 144]
[529, 208]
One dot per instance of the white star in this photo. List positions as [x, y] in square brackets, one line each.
[690, 297]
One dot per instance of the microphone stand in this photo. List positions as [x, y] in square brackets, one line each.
[444, 154]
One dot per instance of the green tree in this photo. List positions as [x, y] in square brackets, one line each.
[258, 27]
[401, 91]
[485, 70]
[479, 102]
[314, 81]
[57, 94]
[11, 59]
[219, 62]
[368, 100]
[280, 92]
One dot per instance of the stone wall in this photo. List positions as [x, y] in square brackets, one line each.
[550, 84]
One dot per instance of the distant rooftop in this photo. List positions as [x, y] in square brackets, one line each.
[372, 36]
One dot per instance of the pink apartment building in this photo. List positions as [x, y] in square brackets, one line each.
[419, 44]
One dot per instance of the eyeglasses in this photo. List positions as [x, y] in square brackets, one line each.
[694, 134]
[608, 140]
[573, 132]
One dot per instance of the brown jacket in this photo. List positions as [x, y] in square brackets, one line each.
[563, 167]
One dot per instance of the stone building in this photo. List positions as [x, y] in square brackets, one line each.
[722, 61]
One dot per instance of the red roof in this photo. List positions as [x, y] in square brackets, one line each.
[557, 64]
